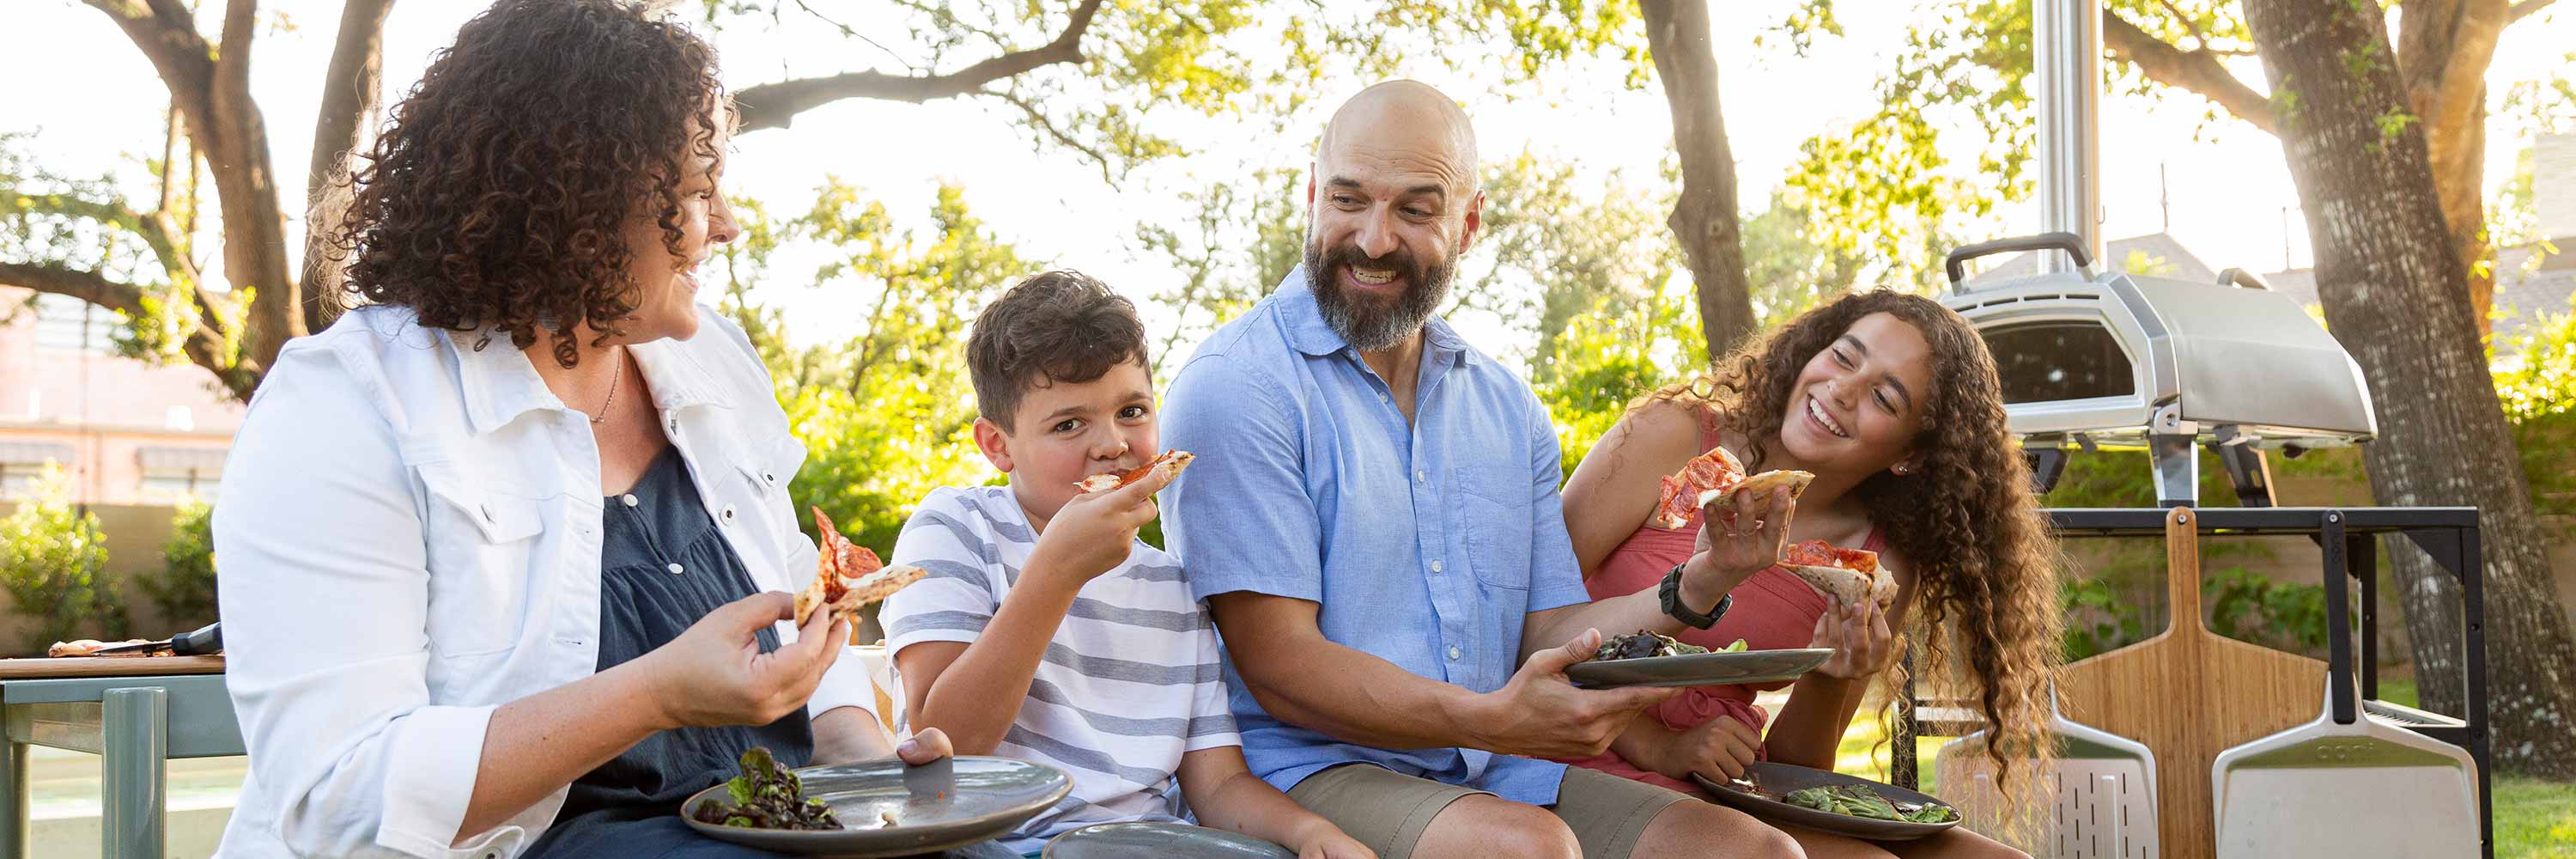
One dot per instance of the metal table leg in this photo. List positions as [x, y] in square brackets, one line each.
[133, 766]
[13, 800]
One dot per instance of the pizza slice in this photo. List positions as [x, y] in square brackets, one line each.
[848, 576]
[1106, 481]
[1792, 480]
[1846, 575]
[1714, 471]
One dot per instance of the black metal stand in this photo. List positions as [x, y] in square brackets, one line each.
[2349, 538]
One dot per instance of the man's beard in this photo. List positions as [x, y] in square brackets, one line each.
[1372, 325]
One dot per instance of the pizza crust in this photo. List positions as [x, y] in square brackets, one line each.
[856, 593]
[1794, 481]
[1105, 481]
[847, 576]
[1845, 586]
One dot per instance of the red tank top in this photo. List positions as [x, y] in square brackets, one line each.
[1774, 610]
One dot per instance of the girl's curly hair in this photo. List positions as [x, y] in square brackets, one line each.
[1985, 564]
[499, 192]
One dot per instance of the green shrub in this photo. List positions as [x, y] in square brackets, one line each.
[2242, 604]
[2248, 606]
[2097, 619]
[52, 560]
[185, 590]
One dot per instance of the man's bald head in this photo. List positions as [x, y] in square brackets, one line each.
[1405, 122]
[1392, 204]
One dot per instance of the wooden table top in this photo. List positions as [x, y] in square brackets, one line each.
[108, 666]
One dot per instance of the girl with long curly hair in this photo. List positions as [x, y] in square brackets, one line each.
[1891, 401]
[507, 550]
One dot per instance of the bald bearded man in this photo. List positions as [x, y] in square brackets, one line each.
[1373, 520]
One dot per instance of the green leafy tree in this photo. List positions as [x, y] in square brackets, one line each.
[1605, 359]
[886, 414]
[1889, 184]
[2361, 117]
[1076, 74]
[53, 561]
[185, 590]
[1244, 236]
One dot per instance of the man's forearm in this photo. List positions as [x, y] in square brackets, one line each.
[1355, 697]
[1554, 627]
[1701, 589]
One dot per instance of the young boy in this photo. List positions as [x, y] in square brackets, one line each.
[1045, 630]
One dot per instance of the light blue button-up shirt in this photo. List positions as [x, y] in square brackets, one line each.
[1425, 544]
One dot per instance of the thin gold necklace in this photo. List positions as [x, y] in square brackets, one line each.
[614, 377]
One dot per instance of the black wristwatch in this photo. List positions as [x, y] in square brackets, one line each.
[1672, 597]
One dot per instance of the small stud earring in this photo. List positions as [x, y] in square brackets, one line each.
[1903, 469]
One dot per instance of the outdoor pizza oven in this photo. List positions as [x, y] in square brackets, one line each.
[2128, 361]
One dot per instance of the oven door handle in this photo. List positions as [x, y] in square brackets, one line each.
[2243, 278]
[2073, 245]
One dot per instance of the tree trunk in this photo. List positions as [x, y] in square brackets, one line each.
[1705, 219]
[351, 90]
[2444, 49]
[246, 187]
[2390, 280]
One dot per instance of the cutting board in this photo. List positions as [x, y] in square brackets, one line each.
[2189, 694]
[106, 666]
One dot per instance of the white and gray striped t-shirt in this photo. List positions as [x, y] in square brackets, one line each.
[1130, 680]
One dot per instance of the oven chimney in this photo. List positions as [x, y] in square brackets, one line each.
[2066, 48]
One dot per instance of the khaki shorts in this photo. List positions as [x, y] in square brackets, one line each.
[1389, 812]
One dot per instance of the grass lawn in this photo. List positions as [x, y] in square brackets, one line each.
[2533, 819]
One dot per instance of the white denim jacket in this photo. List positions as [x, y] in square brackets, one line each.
[409, 535]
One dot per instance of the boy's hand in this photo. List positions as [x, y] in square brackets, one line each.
[1093, 533]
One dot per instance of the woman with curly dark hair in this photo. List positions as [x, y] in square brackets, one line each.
[1891, 401]
[507, 550]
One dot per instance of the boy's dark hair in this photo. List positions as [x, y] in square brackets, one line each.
[1060, 326]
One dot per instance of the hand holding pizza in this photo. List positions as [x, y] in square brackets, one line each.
[1860, 637]
[714, 673]
[1739, 535]
[1094, 533]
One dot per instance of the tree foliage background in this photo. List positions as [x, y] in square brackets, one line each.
[1588, 276]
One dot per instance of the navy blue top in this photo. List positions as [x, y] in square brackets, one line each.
[662, 566]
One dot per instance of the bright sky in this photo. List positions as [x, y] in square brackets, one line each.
[2226, 181]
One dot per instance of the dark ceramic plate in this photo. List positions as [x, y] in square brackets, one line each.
[1780, 779]
[979, 799]
[1698, 669]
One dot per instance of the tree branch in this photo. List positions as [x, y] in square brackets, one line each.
[2197, 71]
[166, 32]
[2525, 7]
[351, 91]
[2199, 39]
[1048, 127]
[772, 105]
[87, 286]
[206, 346]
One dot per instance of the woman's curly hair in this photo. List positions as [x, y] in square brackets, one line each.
[499, 192]
[1985, 564]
